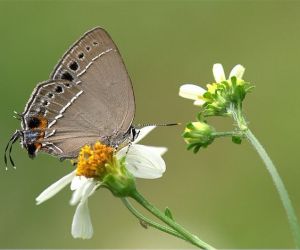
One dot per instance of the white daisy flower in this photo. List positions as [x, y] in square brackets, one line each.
[141, 161]
[194, 92]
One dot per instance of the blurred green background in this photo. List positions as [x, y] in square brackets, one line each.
[223, 194]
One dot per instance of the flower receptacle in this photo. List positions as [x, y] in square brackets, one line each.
[118, 179]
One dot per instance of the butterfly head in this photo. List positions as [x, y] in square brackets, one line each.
[33, 130]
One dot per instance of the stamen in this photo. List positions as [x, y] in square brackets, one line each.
[92, 160]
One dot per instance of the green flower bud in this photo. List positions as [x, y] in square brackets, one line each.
[198, 134]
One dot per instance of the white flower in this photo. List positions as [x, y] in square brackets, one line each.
[142, 161]
[219, 75]
[194, 92]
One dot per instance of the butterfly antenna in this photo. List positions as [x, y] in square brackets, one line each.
[5, 158]
[17, 116]
[139, 126]
[9, 146]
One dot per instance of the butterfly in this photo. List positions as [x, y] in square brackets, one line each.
[88, 98]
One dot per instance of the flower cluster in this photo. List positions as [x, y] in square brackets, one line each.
[92, 160]
[100, 165]
[224, 97]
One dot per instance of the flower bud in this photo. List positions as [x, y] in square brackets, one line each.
[198, 134]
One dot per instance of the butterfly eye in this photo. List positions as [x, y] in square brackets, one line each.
[33, 122]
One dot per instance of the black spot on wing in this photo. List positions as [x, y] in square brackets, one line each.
[45, 103]
[81, 55]
[58, 89]
[74, 66]
[67, 76]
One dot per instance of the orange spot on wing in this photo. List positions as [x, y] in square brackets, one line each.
[43, 122]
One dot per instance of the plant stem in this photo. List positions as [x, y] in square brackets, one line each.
[283, 194]
[170, 222]
[287, 204]
[224, 134]
[149, 222]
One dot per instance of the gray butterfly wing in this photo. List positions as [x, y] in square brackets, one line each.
[103, 105]
[40, 120]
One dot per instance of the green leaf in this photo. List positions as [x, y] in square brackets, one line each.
[233, 81]
[168, 213]
[236, 139]
[200, 117]
[196, 148]
[186, 134]
[207, 95]
[190, 126]
[192, 145]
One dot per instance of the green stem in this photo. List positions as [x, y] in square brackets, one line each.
[170, 222]
[287, 204]
[283, 194]
[149, 222]
[224, 134]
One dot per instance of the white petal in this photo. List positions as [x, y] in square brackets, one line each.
[238, 71]
[158, 150]
[199, 102]
[218, 73]
[143, 132]
[82, 225]
[77, 182]
[55, 188]
[77, 186]
[84, 190]
[191, 91]
[144, 162]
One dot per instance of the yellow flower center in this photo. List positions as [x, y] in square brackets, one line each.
[92, 160]
[212, 87]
